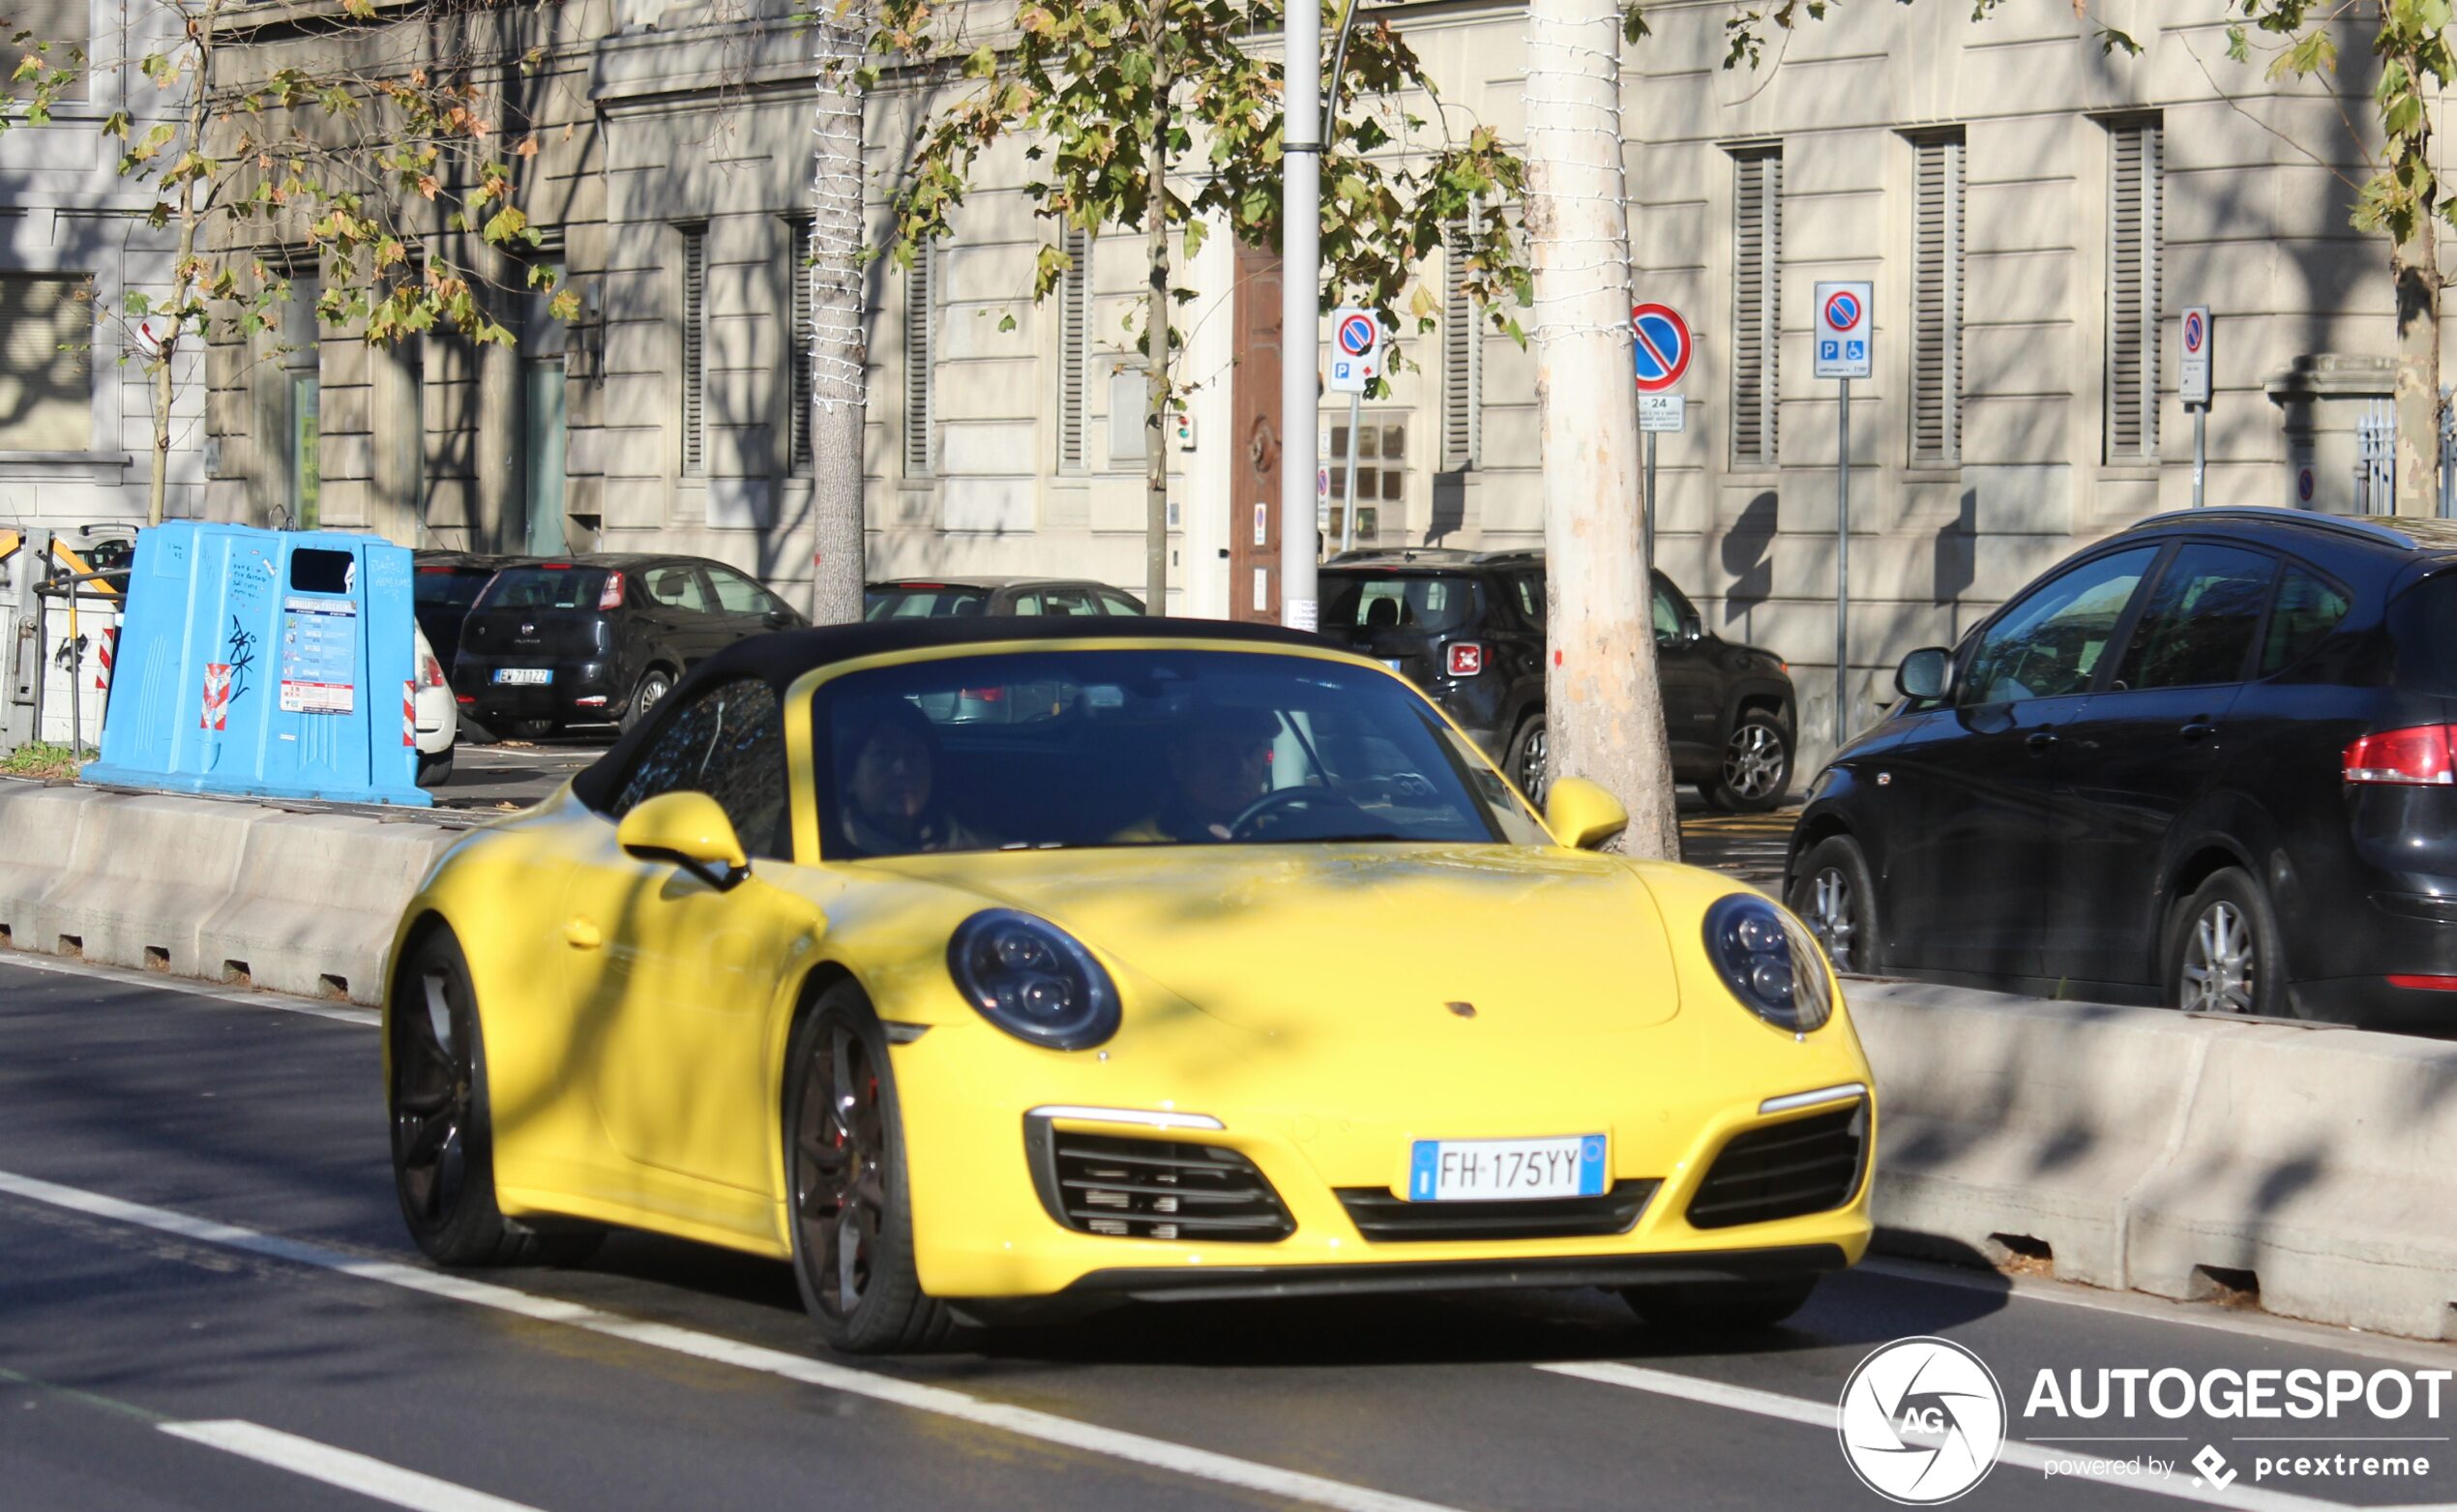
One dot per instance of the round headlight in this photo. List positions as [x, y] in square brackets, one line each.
[1771, 962]
[1033, 980]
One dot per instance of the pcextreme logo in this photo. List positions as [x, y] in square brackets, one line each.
[1921, 1421]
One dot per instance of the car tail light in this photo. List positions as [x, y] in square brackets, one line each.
[611, 596]
[430, 672]
[983, 695]
[2418, 758]
[464, 698]
[2428, 984]
[1466, 658]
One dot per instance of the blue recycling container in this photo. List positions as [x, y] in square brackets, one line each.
[271, 663]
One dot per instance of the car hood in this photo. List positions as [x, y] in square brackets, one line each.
[1355, 941]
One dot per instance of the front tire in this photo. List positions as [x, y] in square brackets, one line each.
[2223, 952]
[443, 1144]
[1719, 1307]
[1836, 896]
[852, 1214]
[1756, 770]
[1530, 759]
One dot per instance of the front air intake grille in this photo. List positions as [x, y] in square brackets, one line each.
[1806, 1165]
[1153, 1189]
[1388, 1219]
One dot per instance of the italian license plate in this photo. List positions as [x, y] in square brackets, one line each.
[525, 676]
[1485, 1170]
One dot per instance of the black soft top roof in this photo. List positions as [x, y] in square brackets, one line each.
[782, 656]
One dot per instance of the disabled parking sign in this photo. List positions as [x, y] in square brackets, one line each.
[1845, 345]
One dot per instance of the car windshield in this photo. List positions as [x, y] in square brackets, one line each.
[923, 600]
[1370, 599]
[543, 588]
[1033, 749]
[457, 586]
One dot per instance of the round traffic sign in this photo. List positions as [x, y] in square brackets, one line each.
[2195, 333]
[2303, 484]
[1662, 347]
[1843, 311]
[1356, 336]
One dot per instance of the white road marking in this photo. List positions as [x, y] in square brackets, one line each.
[2015, 1452]
[1027, 1422]
[345, 1013]
[373, 1478]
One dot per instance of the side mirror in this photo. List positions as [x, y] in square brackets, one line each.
[1583, 815]
[783, 620]
[1923, 672]
[688, 829]
[1692, 628]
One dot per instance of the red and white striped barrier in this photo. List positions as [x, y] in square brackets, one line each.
[109, 648]
[217, 710]
[409, 713]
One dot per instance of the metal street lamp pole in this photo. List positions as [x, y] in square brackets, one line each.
[1300, 317]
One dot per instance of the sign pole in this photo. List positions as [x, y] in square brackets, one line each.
[1650, 520]
[1347, 493]
[2201, 451]
[1841, 562]
[2193, 386]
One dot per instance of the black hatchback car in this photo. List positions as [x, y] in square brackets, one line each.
[2210, 761]
[588, 639]
[1468, 629]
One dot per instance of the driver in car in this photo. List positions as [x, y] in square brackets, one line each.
[1219, 763]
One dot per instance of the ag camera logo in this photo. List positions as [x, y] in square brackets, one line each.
[1921, 1421]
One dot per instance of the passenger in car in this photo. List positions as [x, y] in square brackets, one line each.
[887, 762]
[1219, 763]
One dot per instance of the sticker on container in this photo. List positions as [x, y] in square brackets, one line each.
[319, 656]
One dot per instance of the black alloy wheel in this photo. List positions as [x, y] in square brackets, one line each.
[851, 1212]
[1834, 896]
[1756, 766]
[443, 1151]
[1719, 1307]
[2223, 950]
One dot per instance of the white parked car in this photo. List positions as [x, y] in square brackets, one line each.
[437, 718]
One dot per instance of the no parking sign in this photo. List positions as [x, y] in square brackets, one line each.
[1844, 347]
[1356, 349]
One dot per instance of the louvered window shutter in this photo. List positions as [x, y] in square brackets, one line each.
[1463, 398]
[797, 262]
[1075, 332]
[695, 350]
[65, 25]
[2133, 252]
[920, 316]
[46, 364]
[1757, 327]
[1937, 283]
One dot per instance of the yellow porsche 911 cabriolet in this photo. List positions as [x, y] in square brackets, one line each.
[964, 963]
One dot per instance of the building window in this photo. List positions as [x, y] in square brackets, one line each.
[1936, 284]
[1462, 361]
[301, 355]
[1381, 478]
[1074, 347]
[695, 349]
[800, 273]
[921, 313]
[47, 362]
[2134, 204]
[1757, 328]
[57, 33]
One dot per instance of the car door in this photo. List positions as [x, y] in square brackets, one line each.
[1967, 856]
[747, 608]
[2141, 749]
[671, 977]
[1687, 673]
[680, 612]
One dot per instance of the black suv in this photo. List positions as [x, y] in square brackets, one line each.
[1468, 629]
[2210, 761]
[586, 639]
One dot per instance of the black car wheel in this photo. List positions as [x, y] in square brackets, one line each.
[2223, 953]
[1756, 766]
[1719, 1307]
[1835, 897]
[654, 685]
[433, 771]
[443, 1147]
[852, 1211]
[1529, 761]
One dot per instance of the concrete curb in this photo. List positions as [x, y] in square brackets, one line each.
[2185, 1156]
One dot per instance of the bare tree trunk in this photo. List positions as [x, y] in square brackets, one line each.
[1603, 705]
[2416, 267]
[839, 395]
[1156, 328]
[183, 278]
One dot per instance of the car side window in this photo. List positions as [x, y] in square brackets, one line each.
[1530, 586]
[2050, 641]
[1067, 601]
[1667, 614]
[730, 744]
[1117, 602]
[2198, 625]
[739, 595]
[677, 588]
[2309, 606]
[1026, 604]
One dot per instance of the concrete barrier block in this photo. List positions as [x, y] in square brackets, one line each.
[2322, 1162]
[142, 876]
[312, 908]
[2010, 1117]
[38, 833]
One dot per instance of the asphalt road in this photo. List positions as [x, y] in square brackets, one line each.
[207, 1301]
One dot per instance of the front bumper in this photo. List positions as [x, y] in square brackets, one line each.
[1221, 1283]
